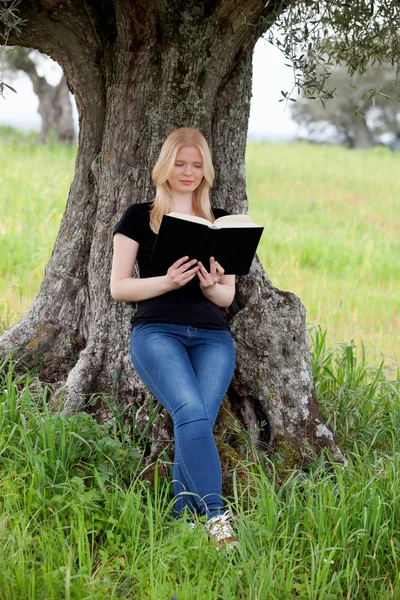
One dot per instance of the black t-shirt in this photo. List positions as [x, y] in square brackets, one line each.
[186, 305]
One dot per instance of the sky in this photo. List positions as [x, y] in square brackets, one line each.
[269, 118]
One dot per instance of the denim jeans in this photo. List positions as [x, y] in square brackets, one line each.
[188, 370]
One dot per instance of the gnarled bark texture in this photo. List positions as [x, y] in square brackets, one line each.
[140, 69]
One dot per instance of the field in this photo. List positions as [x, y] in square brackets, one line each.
[34, 188]
[331, 221]
[79, 521]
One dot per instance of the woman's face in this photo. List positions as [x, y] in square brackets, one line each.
[187, 173]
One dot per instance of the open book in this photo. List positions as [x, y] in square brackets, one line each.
[232, 240]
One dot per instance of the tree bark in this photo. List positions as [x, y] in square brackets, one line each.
[150, 68]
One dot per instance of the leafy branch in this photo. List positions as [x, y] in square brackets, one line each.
[316, 36]
[12, 22]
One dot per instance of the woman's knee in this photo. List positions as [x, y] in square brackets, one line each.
[189, 409]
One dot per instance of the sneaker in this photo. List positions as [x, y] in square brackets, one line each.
[220, 531]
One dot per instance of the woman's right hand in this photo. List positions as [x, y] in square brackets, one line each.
[181, 272]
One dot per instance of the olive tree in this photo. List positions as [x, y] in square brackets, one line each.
[138, 70]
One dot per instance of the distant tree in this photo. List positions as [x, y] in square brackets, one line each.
[55, 106]
[363, 106]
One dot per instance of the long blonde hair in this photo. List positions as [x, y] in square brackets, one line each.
[185, 136]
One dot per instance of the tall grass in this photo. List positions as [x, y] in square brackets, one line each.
[79, 521]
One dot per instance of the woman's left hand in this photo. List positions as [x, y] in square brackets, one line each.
[209, 279]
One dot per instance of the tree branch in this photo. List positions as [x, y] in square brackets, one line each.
[255, 14]
[69, 32]
[234, 14]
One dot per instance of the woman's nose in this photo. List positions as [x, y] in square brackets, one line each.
[187, 170]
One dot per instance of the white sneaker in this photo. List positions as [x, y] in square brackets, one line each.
[220, 531]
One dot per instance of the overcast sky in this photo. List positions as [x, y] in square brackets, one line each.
[268, 116]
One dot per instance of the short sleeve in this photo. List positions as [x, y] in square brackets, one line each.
[220, 212]
[133, 222]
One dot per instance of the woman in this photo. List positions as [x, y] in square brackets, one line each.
[181, 345]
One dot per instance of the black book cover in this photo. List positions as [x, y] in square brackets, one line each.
[233, 247]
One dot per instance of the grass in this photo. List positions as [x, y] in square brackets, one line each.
[34, 184]
[332, 220]
[77, 520]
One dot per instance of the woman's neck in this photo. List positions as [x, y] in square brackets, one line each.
[182, 204]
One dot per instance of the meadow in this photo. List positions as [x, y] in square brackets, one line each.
[79, 520]
[331, 220]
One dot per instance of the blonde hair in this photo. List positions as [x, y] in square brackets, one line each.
[185, 136]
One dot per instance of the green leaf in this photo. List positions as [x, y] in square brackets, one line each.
[9, 87]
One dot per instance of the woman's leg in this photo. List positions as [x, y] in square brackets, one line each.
[159, 353]
[212, 355]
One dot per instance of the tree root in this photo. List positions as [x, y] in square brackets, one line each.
[272, 386]
[79, 384]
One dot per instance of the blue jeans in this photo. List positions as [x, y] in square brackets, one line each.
[188, 370]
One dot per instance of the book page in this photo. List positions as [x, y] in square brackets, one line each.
[193, 218]
[235, 221]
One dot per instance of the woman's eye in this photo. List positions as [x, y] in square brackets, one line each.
[181, 165]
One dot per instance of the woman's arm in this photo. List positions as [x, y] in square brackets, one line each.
[223, 293]
[217, 287]
[125, 288]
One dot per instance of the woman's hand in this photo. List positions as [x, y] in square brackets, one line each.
[181, 272]
[209, 279]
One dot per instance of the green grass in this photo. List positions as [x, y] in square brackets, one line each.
[332, 219]
[34, 187]
[78, 521]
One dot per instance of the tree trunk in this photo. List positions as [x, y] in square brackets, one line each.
[139, 71]
[362, 136]
[55, 106]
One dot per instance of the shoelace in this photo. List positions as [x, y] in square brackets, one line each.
[221, 530]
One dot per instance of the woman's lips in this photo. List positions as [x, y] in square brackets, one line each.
[186, 182]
